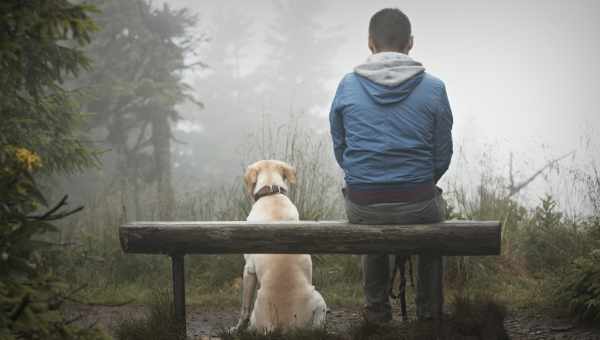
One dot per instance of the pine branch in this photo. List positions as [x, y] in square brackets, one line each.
[51, 214]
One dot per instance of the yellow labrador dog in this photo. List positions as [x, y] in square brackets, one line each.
[285, 298]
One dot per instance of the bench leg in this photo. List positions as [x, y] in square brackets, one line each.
[177, 262]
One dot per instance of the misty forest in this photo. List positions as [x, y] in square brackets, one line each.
[113, 111]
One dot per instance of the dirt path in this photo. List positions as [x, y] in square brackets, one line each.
[538, 328]
[204, 323]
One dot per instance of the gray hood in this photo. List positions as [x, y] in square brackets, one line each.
[389, 68]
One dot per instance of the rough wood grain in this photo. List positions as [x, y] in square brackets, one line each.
[325, 237]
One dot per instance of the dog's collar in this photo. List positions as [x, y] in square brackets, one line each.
[269, 190]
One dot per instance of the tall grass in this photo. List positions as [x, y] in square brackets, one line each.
[579, 287]
[538, 245]
[96, 260]
[540, 248]
[317, 194]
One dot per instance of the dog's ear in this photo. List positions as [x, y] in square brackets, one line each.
[250, 178]
[289, 173]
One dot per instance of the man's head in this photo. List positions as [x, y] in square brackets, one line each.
[390, 31]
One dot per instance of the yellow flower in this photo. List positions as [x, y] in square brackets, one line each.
[29, 159]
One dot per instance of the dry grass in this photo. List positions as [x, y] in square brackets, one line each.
[213, 281]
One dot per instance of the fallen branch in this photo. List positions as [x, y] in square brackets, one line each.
[514, 189]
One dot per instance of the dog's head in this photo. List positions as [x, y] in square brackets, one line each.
[269, 172]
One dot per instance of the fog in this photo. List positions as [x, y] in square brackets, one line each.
[521, 74]
[522, 78]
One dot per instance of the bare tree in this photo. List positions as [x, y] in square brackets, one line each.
[514, 188]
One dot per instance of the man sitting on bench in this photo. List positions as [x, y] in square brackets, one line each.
[391, 128]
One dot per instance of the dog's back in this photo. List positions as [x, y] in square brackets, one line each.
[286, 297]
[283, 277]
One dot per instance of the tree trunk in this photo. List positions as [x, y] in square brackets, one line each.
[119, 142]
[161, 141]
[136, 187]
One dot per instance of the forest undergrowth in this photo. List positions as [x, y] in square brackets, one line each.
[548, 261]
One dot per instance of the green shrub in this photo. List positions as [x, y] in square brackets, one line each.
[40, 46]
[549, 242]
[31, 294]
[580, 288]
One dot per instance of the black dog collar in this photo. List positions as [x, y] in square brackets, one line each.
[269, 190]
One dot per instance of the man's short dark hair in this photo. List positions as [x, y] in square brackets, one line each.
[390, 29]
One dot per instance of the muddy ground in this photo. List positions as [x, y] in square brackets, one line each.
[202, 323]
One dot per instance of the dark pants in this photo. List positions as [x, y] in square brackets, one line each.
[376, 267]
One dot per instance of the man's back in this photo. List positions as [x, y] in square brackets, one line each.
[391, 124]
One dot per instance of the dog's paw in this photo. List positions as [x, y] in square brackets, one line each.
[242, 325]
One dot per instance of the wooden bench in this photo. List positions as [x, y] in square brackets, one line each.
[177, 239]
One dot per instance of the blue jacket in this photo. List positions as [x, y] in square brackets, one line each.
[391, 124]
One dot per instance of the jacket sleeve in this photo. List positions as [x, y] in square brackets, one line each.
[336, 123]
[442, 135]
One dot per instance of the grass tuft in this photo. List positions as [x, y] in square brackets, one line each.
[482, 317]
[159, 323]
